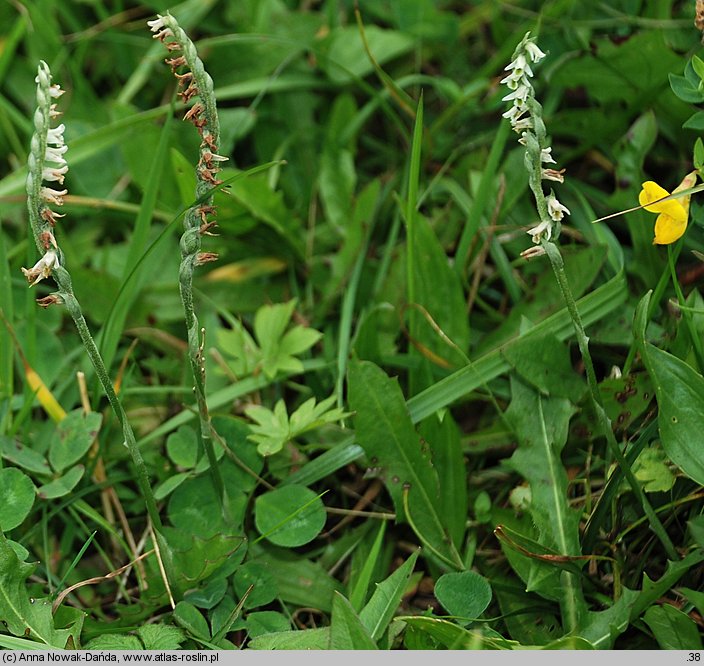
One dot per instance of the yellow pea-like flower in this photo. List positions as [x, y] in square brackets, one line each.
[673, 213]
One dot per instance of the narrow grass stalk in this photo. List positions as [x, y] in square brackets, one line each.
[481, 201]
[46, 163]
[412, 204]
[411, 218]
[196, 82]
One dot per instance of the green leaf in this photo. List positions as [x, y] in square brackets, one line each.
[698, 66]
[652, 470]
[652, 590]
[311, 415]
[360, 582]
[381, 608]
[196, 558]
[63, 485]
[438, 290]
[695, 597]
[679, 390]
[695, 122]
[299, 580]
[384, 430]
[278, 349]
[612, 71]
[224, 618]
[166, 487]
[266, 622]
[237, 343]
[343, 262]
[161, 637]
[114, 642]
[526, 621]
[208, 596]
[691, 75]
[695, 527]
[21, 552]
[308, 639]
[17, 492]
[23, 456]
[592, 307]
[270, 322]
[75, 434]
[465, 594]
[274, 428]
[337, 175]
[673, 629]
[346, 58]
[255, 574]
[326, 463]
[22, 615]
[547, 366]
[680, 395]
[454, 637]
[518, 537]
[626, 398]
[182, 447]
[569, 643]
[541, 426]
[290, 516]
[346, 629]
[191, 619]
[685, 90]
[632, 149]
[698, 145]
[12, 643]
[601, 628]
[256, 196]
[249, 464]
[195, 508]
[298, 340]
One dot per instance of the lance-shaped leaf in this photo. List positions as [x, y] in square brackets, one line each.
[385, 431]
[680, 394]
[540, 424]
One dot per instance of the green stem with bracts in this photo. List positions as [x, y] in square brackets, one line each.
[534, 145]
[46, 163]
[196, 82]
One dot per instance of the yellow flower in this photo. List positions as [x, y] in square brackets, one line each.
[674, 213]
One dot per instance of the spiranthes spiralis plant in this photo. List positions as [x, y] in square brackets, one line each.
[526, 118]
[196, 88]
[47, 164]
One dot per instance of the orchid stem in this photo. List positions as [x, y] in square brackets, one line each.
[558, 268]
